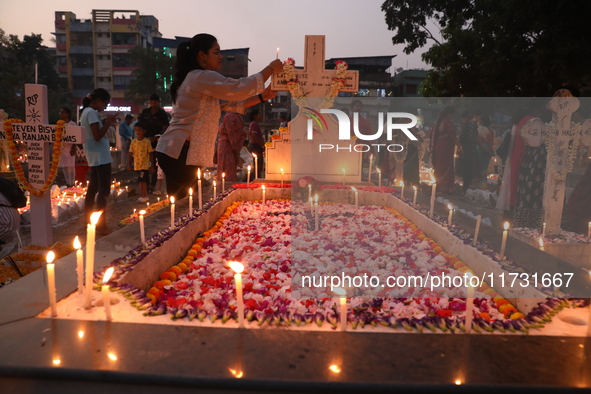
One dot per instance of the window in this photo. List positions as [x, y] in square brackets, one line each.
[124, 39]
[122, 60]
[120, 81]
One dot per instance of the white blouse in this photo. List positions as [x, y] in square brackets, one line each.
[197, 111]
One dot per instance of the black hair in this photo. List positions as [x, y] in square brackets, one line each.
[140, 125]
[154, 97]
[252, 114]
[186, 59]
[68, 111]
[96, 94]
[446, 111]
[128, 116]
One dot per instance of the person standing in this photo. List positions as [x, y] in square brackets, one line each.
[98, 154]
[126, 134]
[156, 121]
[443, 140]
[142, 155]
[256, 137]
[199, 94]
[230, 140]
[67, 160]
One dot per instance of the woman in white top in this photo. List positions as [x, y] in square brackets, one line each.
[199, 94]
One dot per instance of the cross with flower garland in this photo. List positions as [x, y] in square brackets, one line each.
[314, 79]
[38, 134]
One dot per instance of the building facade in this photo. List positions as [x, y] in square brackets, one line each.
[94, 53]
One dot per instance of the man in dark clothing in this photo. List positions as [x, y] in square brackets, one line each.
[156, 121]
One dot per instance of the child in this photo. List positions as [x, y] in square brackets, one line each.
[142, 154]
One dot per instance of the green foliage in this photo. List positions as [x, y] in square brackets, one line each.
[17, 68]
[495, 48]
[152, 75]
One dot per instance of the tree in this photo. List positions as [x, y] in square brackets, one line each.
[153, 75]
[495, 48]
[17, 68]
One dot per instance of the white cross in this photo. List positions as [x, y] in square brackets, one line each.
[562, 138]
[314, 78]
[38, 134]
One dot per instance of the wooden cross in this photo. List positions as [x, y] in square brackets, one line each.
[314, 78]
[562, 138]
[38, 134]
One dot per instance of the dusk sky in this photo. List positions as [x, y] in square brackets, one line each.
[352, 27]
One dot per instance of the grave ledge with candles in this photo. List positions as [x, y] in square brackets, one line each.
[120, 341]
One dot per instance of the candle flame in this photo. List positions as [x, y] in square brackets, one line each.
[214, 183]
[236, 266]
[282, 171]
[378, 171]
[343, 170]
[57, 361]
[172, 199]
[199, 173]
[541, 242]
[263, 187]
[352, 188]
[254, 155]
[191, 191]
[80, 334]
[94, 218]
[112, 356]
[450, 207]
[414, 188]
[50, 257]
[248, 168]
[77, 244]
[142, 212]
[506, 226]
[340, 291]
[458, 382]
[335, 368]
[237, 374]
[108, 275]
[316, 198]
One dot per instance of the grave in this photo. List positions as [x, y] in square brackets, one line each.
[293, 152]
[38, 134]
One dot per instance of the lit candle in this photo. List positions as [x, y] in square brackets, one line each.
[356, 196]
[504, 242]
[90, 238]
[469, 301]
[316, 212]
[277, 54]
[309, 190]
[142, 230]
[379, 177]
[191, 201]
[199, 192]
[215, 186]
[589, 231]
[134, 211]
[223, 181]
[238, 268]
[256, 166]
[344, 176]
[282, 173]
[79, 264]
[311, 206]
[339, 291]
[541, 242]
[433, 190]
[414, 199]
[171, 211]
[451, 212]
[477, 230]
[51, 282]
[264, 192]
[105, 290]
[544, 229]
[248, 176]
[370, 167]
[402, 191]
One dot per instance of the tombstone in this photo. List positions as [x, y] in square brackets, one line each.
[327, 166]
[4, 154]
[562, 138]
[38, 134]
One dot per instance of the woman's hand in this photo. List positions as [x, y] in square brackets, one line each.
[276, 65]
[268, 94]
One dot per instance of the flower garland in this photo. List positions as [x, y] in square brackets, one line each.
[295, 88]
[18, 169]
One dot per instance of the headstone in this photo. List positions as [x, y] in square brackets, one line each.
[328, 166]
[38, 134]
[562, 138]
